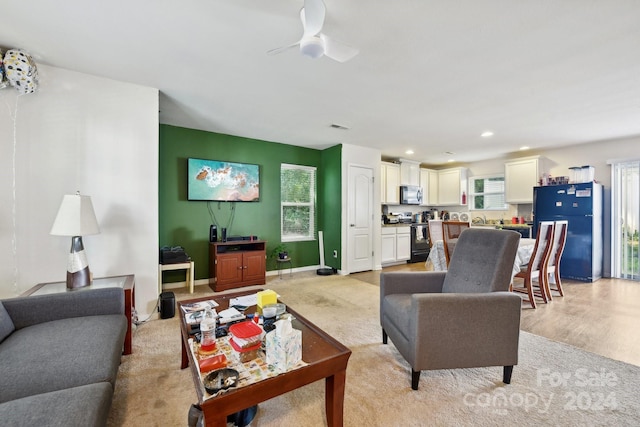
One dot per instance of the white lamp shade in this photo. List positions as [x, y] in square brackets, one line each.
[75, 217]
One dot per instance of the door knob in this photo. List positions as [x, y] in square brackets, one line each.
[352, 225]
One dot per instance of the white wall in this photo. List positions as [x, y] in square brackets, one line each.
[86, 133]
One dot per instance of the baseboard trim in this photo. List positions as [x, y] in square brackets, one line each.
[198, 282]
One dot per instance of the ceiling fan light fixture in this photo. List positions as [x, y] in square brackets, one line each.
[313, 47]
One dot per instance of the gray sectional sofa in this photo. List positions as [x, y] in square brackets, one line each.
[59, 357]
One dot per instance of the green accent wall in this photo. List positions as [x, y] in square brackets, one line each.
[331, 207]
[186, 223]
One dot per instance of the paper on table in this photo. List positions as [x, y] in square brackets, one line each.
[229, 315]
[198, 306]
[246, 300]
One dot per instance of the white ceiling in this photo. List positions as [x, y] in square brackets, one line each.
[431, 75]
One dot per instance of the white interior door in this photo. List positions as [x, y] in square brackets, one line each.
[360, 219]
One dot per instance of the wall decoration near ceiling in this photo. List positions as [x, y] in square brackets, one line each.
[19, 70]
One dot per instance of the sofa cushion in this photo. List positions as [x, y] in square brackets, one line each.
[81, 406]
[61, 354]
[6, 324]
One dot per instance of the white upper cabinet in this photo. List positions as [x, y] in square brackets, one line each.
[432, 196]
[452, 183]
[520, 176]
[390, 183]
[409, 172]
[440, 187]
[429, 184]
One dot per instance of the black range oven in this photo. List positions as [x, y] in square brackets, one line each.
[419, 242]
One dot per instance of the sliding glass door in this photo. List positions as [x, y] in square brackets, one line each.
[625, 195]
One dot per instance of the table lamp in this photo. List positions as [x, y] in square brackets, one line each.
[76, 218]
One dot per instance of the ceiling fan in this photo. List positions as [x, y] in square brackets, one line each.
[313, 43]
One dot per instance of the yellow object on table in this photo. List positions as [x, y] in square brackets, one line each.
[266, 297]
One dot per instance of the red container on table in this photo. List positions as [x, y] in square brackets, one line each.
[246, 339]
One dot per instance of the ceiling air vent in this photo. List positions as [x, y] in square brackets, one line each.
[337, 126]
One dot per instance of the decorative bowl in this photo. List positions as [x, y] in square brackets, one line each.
[220, 379]
[280, 308]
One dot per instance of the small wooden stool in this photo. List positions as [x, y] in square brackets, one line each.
[189, 266]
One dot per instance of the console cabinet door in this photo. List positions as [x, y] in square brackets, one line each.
[254, 266]
[229, 268]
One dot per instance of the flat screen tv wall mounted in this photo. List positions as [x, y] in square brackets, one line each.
[219, 181]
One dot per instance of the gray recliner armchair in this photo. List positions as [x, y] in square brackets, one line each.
[461, 318]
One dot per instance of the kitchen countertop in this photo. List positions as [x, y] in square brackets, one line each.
[508, 225]
[408, 224]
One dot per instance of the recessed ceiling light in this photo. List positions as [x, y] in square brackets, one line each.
[486, 134]
[451, 160]
[408, 152]
[524, 147]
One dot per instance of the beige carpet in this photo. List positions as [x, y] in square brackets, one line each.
[554, 384]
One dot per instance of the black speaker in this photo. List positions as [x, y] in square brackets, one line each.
[213, 233]
[224, 234]
[167, 305]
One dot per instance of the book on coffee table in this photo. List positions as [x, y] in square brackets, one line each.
[198, 306]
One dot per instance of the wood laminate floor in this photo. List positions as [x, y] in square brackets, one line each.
[602, 317]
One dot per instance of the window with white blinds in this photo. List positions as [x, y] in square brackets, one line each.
[297, 202]
[487, 193]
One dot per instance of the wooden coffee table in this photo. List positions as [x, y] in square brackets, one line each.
[325, 357]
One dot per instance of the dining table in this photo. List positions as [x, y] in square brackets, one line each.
[437, 261]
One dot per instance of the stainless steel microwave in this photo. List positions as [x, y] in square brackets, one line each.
[410, 195]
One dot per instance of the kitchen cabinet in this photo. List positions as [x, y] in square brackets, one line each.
[390, 183]
[403, 243]
[388, 242]
[409, 172]
[520, 176]
[396, 244]
[452, 183]
[429, 184]
[237, 263]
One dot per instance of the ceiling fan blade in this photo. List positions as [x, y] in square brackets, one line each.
[282, 49]
[338, 51]
[312, 16]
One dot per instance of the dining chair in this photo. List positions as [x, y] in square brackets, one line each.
[535, 269]
[451, 231]
[435, 231]
[553, 265]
